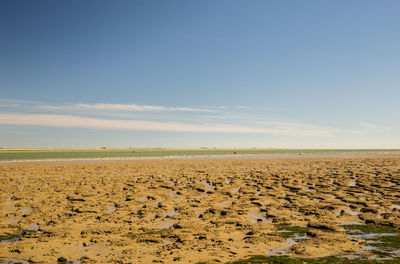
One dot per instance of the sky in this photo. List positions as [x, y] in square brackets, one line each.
[225, 73]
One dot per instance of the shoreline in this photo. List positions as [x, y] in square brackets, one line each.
[202, 158]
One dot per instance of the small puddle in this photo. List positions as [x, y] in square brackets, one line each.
[198, 198]
[258, 218]
[380, 243]
[284, 250]
[155, 203]
[298, 237]
[110, 209]
[225, 204]
[10, 208]
[165, 224]
[235, 190]
[351, 212]
[167, 242]
[199, 211]
[12, 220]
[26, 210]
[371, 235]
[209, 187]
[171, 214]
[351, 223]
[14, 261]
[352, 183]
[372, 253]
[33, 227]
[143, 199]
[362, 253]
[149, 218]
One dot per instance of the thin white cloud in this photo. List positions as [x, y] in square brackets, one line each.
[117, 124]
[8, 105]
[306, 128]
[290, 124]
[300, 127]
[11, 103]
[368, 125]
[16, 101]
[242, 107]
[102, 106]
[123, 107]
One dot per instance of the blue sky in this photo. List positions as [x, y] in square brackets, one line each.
[200, 73]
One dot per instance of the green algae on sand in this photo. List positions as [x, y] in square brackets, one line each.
[325, 260]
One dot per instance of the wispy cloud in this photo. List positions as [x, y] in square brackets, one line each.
[292, 124]
[368, 125]
[115, 124]
[299, 128]
[242, 107]
[11, 103]
[213, 119]
[103, 106]
[123, 107]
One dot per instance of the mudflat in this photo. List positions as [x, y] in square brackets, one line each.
[189, 211]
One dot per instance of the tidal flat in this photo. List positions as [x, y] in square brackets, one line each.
[213, 211]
